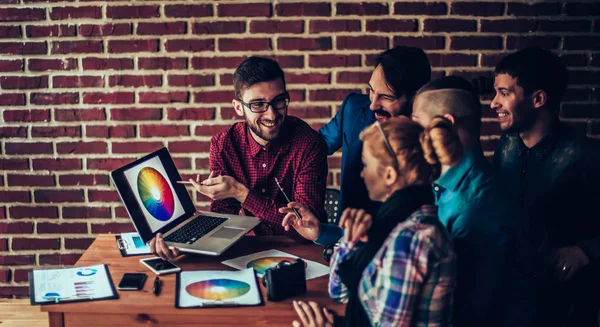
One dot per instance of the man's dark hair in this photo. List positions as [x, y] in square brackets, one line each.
[406, 69]
[255, 70]
[537, 69]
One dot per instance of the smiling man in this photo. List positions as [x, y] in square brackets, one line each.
[553, 174]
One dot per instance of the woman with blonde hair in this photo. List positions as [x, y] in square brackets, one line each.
[398, 268]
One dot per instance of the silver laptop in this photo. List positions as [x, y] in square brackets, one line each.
[156, 203]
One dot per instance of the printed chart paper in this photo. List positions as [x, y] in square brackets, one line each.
[264, 260]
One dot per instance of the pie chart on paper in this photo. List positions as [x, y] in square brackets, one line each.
[155, 193]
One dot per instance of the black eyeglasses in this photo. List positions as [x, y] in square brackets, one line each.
[262, 106]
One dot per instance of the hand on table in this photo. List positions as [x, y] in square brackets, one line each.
[312, 315]
[160, 248]
[221, 187]
[567, 261]
[308, 227]
[356, 223]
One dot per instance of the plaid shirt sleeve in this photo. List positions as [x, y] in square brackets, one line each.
[226, 206]
[337, 290]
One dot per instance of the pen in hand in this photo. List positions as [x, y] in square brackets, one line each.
[156, 287]
[288, 199]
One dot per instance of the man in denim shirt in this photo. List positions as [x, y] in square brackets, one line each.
[472, 207]
[553, 176]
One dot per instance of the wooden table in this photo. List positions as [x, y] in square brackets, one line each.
[142, 308]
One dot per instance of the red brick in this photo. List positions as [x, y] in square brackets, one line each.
[297, 95]
[214, 97]
[281, 26]
[334, 162]
[54, 98]
[107, 64]
[162, 63]
[12, 99]
[78, 243]
[190, 45]
[11, 65]
[136, 114]
[163, 97]
[490, 128]
[353, 77]
[17, 260]
[362, 9]
[106, 196]
[193, 114]
[303, 9]
[582, 94]
[449, 25]
[203, 130]
[110, 131]
[52, 64]
[244, 10]
[534, 9]
[188, 10]
[219, 28]
[330, 95]
[14, 196]
[77, 81]
[135, 80]
[581, 43]
[63, 47]
[13, 132]
[452, 60]
[52, 132]
[19, 212]
[8, 32]
[227, 79]
[22, 275]
[18, 292]
[594, 128]
[572, 110]
[161, 28]
[65, 13]
[81, 147]
[330, 60]
[22, 14]
[392, 25]
[30, 180]
[23, 82]
[307, 78]
[14, 164]
[126, 12]
[565, 25]
[476, 42]
[304, 44]
[423, 42]
[34, 31]
[362, 42]
[16, 228]
[582, 9]
[245, 44]
[346, 25]
[52, 196]
[189, 146]
[595, 61]
[509, 25]
[164, 130]
[289, 61]
[59, 259]
[56, 164]
[477, 8]
[20, 244]
[5, 274]
[88, 180]
[86, 212]
[23, 48]
[520, 42]
[104, 29]
[112, 228]
[216, 62]
[123, 46]
[310, 112]
[419, 8]
[191, 80]
[29, 148]
[112, 98]
[136, 147]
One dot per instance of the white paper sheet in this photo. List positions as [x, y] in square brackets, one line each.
[261, 261]
[133, 243]
[218, 288]
[71, 284]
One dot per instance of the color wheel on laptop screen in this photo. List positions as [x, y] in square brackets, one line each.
[218, 289]
[262, 264]
[155, 193]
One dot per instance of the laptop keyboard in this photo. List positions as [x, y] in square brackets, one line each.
[195, 229]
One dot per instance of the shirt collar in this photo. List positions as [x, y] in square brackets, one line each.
[545, 145]
[272, 146]
[452, 178]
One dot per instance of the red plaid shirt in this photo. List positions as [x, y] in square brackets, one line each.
[297, 158]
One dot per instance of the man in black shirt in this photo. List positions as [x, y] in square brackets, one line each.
[554, 176]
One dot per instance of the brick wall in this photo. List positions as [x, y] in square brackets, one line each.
[87, 86]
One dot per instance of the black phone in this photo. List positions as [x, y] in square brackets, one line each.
[132, 282]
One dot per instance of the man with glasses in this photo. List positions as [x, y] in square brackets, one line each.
[246, 158]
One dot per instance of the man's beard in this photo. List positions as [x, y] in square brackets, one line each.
[256, 129]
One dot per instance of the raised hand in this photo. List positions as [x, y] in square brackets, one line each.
[309, 226]
[356, 223]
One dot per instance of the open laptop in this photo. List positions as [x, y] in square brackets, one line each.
[156, 203]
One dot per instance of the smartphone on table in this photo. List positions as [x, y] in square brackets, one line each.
[132, 282]
[160, 266]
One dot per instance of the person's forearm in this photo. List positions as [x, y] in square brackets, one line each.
[330, 234]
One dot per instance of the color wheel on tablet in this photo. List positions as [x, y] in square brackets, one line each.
[155, 194]
[217, 289]
[262, 264]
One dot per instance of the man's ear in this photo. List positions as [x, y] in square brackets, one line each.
[450, 118]
[239, 107]
[539, 98]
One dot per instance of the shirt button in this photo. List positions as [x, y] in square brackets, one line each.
[263, 190]
[264, 165]
[436, 188]
[265, 149]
